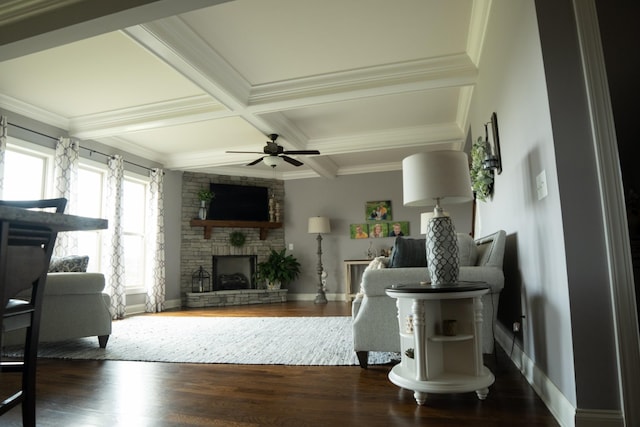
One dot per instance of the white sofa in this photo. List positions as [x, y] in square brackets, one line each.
[74, 306]
[374, 314]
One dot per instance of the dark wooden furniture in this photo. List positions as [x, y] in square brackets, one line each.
[210, 224]
[27, 238]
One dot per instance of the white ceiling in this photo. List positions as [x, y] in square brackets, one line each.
[366, 82]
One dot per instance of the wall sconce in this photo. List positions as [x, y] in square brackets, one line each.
[493, 160]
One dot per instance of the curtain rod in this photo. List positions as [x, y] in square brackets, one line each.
[91, 150]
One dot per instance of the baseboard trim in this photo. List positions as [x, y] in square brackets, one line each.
[562, 410]
[140, 308]
[312, 297]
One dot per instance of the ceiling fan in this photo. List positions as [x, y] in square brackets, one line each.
[276, 152]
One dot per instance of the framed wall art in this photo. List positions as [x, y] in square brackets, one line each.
[378, 229]
[359, 231]
[398, 228]
[378, 210]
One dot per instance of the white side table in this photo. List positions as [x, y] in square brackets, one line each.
[432, 361]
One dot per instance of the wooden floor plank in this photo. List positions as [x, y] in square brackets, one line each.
[114, 393]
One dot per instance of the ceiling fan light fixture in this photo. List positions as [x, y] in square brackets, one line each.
[272, 161]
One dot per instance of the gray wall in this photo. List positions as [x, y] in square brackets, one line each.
[512, 83]
[343, 199]
[554, 257]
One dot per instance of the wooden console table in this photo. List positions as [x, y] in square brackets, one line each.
[435, 360]
[351, 266]
[210, 224]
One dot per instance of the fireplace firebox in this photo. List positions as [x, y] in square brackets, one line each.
[232, 272]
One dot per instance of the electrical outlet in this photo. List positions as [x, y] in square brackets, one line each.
[516, 326]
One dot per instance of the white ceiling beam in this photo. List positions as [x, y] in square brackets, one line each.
[28, 26]
[434, 73]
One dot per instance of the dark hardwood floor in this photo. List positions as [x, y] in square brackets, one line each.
[112, 393]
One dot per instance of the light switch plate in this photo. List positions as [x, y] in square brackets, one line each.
[541, 185]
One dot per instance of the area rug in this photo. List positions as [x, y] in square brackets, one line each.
[320, 341]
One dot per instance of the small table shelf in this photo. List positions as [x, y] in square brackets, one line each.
[210, 224]
[431, 361]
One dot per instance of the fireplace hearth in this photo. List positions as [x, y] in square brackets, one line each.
[233, 272]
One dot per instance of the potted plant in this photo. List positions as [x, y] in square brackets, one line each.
[279, 268]
[205, 196]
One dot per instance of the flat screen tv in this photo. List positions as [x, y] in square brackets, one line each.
[239, 203]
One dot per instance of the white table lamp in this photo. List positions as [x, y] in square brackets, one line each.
[429, 178]
[319, 225]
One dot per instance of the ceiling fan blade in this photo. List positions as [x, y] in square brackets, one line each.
[245, 152]
[301, 152]
[255, 162]
[294, 162]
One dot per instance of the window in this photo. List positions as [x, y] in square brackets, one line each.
[27, 172]
[90, 195]
[134, 213]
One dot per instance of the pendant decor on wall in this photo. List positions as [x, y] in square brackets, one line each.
[486, 161]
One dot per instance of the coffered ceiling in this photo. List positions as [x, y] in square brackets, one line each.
[365, 82]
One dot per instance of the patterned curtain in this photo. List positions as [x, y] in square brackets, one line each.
[3, 148]
[155, 298]
[113, 246]
[65, 171]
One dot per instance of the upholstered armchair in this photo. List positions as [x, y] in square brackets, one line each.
[374, 314]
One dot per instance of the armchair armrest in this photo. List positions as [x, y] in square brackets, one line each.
[374, 282]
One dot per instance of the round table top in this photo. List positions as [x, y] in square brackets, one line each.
[427, 288]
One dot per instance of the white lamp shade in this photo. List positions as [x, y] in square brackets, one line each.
[273, 161]
[319, 225]
[442, 175]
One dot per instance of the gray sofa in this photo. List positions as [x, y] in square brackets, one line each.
[375, 323]
[74, 306]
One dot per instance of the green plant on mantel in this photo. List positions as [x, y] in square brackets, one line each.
[481, 178]
[279, 268]
[205, 195]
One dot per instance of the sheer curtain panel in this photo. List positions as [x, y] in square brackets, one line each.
[65, 172]
[113, 249]
[155, 297]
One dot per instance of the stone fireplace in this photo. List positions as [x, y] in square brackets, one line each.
[232, 272]
[200, 250]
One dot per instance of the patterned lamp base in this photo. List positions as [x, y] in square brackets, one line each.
[442, 251]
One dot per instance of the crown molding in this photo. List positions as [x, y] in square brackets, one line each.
[33, 112]
[150, 116]
[480, 12]
[424, 74]
[390, 138]
[126, 146]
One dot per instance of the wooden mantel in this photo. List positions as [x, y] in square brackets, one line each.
[210, 224]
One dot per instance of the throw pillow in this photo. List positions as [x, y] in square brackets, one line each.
[408, 253]
[71, 263]
[467, 250]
